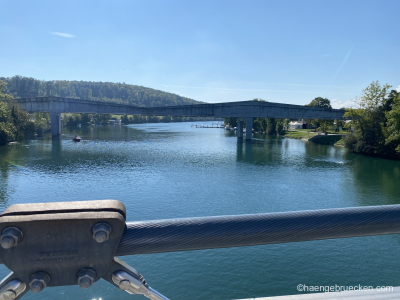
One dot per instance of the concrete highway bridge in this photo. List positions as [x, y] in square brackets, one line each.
[244, 110]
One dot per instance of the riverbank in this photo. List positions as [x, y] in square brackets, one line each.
[332, 138]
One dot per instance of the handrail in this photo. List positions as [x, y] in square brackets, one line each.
[158, 236]
[69, 243]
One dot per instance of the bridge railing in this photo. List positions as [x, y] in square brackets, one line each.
[245, 230]
[54, 244]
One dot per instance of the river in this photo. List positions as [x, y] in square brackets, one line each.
[173, 170]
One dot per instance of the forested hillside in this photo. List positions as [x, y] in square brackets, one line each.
[19, 86]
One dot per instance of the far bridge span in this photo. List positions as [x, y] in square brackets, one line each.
[244, 110]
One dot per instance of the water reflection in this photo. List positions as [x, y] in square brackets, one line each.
[376, 180]
[3, 182]
[7, 158]
[56, 147]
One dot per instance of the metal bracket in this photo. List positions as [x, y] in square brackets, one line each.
[59, 239]
[65, 243]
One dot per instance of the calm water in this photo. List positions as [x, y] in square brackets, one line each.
[173, 170]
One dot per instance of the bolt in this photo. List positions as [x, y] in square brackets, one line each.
[86, 277]
[9, 295]
[101, 232]
[124, 284]
[37, 287]
[7, 242]
[10, 237]
[39, 281]
[85, 283]
[101, 237]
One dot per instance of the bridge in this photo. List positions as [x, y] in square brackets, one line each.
[243, 110]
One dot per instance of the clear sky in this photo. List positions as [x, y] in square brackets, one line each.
[212, 51]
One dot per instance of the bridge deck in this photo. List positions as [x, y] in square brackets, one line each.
[240, 109]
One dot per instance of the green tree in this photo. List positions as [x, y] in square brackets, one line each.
[14, 122]
[7, 130]
[393, 122]
[6, 126]
[23, 126]
[320, 102]
[281, 126]
[3, 96]
[42, 122]
[231, 122]
[369, 121]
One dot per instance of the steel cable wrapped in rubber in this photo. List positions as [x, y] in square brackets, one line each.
[158, 236]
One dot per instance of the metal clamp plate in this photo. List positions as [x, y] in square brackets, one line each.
[58, 239]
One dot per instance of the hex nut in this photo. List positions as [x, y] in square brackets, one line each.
[39, 282]
[10, 237]
[86, 277]
[101, 232]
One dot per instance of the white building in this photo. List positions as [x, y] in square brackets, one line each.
[296, 125]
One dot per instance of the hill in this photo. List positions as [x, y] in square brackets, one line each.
[20, 86]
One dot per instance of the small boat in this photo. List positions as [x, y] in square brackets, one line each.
[115, 121]
[77, 138]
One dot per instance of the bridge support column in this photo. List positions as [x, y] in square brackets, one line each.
[239, 129]
[55, 119]
[249, 128]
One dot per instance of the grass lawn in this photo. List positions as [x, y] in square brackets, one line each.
[300, 134]
[340, 143]
[307, 133]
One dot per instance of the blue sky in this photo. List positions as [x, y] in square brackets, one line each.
[212, 51]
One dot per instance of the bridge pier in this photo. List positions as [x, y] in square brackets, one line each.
[240, 129]
[249, 128]
[55, 119]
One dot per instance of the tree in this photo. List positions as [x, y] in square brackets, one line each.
[281, 126]
[14, 122]
[370, 122]
[231, 122]
[23, 125]
[373, 97]
[7, 131]
[393, 122]
[321, 103]
[3, 96]
[6, 125]
[42, 122]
